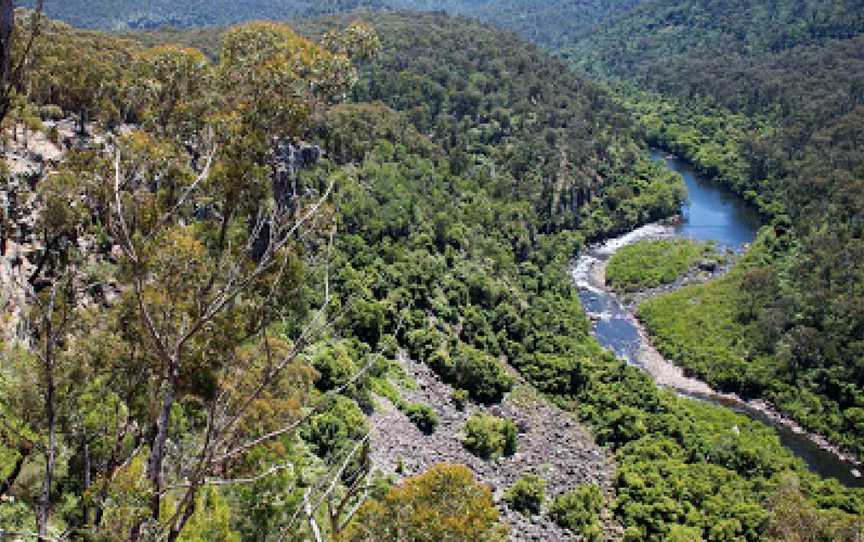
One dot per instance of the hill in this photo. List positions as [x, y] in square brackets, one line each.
[294, 228]
[553, 23]
[768, 98]
[130, 15]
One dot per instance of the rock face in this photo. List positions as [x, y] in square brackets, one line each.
[288, 160]
[551, 444]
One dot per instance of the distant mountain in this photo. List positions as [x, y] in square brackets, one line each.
[134, 15]
[663, 31]
[552, 23]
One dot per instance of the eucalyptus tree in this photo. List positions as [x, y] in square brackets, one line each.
[213, 265]
[178, 290]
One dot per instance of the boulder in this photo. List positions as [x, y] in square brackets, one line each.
[708, 265]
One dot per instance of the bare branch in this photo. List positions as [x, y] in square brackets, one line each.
[188, 192]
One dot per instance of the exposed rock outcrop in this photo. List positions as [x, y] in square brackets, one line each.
[551, 444]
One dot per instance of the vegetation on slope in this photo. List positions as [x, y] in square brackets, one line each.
[769, 98]
[552, 23]
[634, 42]
[447, 234]
[133, 15]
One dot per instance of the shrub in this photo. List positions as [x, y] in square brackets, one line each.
[527, 494]
[53, 135]
[445, 503]
[423, 342]
[335, 365]
[579, 510]
[460, 399]
[423, 416]
[480, 374]
[331, 430]
[366, 319]
[490, 437]
[51, 112]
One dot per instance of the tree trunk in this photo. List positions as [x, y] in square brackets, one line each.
[157, 452]
[7, 28]
[6, 484]
[43, 514]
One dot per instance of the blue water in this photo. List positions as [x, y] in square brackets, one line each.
[711, 213]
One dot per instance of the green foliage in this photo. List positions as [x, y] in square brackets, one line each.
[737, 333]
[766, 98]
[334, 428]
[445, 503]
[551, 24]
[423, 416]
[335, 364]
[579, 510]
[485, 112]
[212, 520]
[490, 437]
[467, 172]
[527, 495]
[479, 373]
[648, 264]
[124, 14]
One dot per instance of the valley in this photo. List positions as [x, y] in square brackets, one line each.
[388, 270]
[710, 214]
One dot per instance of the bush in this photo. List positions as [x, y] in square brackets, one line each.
[53, 135]
[423, 342]
[51, 112]
[579, 510]
[480, 374]
[335, 365]
[423, 416]
[337, 426]
[527, 494]
[490, 437]
[445, 503]
[460, 399]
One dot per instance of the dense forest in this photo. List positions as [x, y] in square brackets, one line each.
[154, 14]
[767, 98]
[239, 238]
[552, 23]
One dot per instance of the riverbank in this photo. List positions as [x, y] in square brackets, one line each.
[589, 274]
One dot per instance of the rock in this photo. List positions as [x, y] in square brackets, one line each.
[708, 265]
[551, 443]
[289, 159]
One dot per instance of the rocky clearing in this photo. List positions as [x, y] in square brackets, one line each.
[552, 444]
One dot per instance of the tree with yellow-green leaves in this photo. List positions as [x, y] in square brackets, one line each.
[445, 503]
[176, 287]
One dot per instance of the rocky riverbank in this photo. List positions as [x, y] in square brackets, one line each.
[589, 274]
[551, 444]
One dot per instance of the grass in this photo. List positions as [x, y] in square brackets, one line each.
[649, 264]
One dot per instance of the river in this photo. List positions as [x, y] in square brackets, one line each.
[711, 213]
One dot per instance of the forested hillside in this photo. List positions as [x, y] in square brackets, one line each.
[552, 23]
[225, 259]
[767, 97]
[131, 15]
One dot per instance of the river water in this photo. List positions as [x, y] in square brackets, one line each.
[711, 213]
